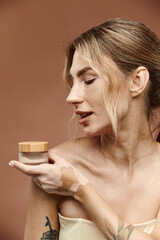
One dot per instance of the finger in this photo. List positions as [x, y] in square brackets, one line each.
[26, 169]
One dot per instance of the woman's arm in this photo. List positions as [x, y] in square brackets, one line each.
[113, 226]
[42, 215]
[64, 179]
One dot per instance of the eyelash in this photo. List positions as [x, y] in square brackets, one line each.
[89, 81]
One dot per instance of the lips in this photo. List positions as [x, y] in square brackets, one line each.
[83, 114]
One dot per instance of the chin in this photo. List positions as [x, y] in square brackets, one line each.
[90, 132]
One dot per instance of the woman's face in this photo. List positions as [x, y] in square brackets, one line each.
[86, 96]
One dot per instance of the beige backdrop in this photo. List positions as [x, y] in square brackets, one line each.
[33, 36]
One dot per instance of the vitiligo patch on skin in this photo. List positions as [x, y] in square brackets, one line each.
[68, 177]
[76, 179]
[61, 177]
[74, 187]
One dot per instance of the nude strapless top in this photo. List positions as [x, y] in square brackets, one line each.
[82, 229]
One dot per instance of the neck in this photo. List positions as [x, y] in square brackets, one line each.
[134, 141]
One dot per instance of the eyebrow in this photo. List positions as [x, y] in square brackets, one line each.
[81, 72]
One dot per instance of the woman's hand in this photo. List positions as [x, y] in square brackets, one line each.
[58, 176]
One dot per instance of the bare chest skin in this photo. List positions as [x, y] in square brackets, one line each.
[136, 198]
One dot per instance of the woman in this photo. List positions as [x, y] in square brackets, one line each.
[107, 184]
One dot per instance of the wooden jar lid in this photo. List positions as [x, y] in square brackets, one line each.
[33, 146]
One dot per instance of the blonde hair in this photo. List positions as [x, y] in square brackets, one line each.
[116, 48]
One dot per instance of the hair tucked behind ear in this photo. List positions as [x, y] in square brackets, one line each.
[132, 44]
[129, 44]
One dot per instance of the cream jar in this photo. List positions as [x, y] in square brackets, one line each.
[33, 152]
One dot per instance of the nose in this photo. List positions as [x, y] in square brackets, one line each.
[75, 96]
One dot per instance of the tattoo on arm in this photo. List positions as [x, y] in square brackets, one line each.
[51, 234]
[124, 233]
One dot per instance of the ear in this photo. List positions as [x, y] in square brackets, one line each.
[139, 81]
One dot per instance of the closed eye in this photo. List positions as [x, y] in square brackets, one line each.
[87, 82]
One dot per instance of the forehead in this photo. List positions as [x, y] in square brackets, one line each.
[78, 63]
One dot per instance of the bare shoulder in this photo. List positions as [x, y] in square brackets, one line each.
[74, 150]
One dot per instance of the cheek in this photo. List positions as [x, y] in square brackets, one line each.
[101, 112]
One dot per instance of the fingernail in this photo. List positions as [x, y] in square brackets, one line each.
[11, 164]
